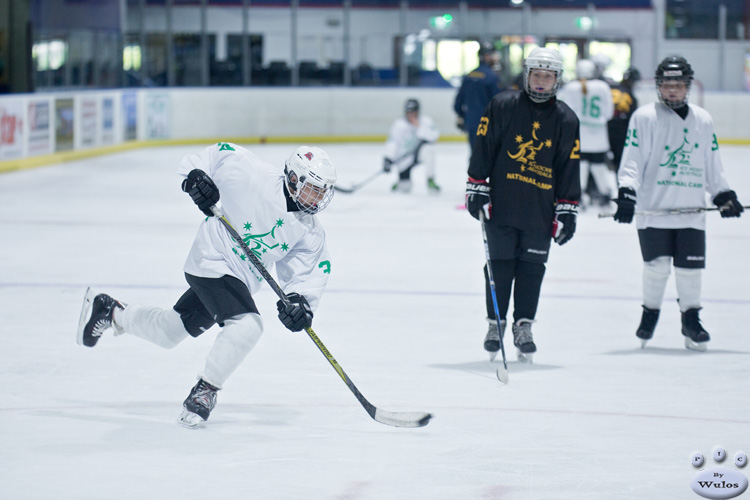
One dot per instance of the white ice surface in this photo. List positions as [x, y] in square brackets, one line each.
[595, 417]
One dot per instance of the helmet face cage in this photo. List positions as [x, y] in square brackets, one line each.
[674, 69]
[310, 177]
[546, 59]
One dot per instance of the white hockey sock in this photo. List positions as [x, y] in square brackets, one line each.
[232, 345]
[162, 327]
[427, 158]
[655, 276]
[585, 166]
[606, 181]
[688, 287]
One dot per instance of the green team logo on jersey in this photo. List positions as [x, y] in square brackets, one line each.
[679, 157]
[260, 243]
[678, 161]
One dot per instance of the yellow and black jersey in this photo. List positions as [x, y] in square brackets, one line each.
[530, 154]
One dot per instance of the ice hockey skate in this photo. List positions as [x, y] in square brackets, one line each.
[198, 405]
[524, 341]
[493, 338]
[696, 337]
[402, 186]
[432, 187]
[96, 317]
[648, 323]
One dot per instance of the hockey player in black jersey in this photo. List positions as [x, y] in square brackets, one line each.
[524, 175]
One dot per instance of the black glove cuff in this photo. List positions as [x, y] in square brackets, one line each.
[626, 194]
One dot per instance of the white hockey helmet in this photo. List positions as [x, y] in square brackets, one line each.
[546, 59]
[310, 177]
[585, 69]
[602, 62]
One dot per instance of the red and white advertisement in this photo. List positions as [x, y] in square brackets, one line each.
[11, 129]
[40, 129]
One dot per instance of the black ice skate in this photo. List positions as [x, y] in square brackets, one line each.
[493, 338]
[696, 338]
[198, 404]
[524, 340]
[96, 317]
[648, 323]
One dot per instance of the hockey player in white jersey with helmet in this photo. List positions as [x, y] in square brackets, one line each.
[274, 211]
[411, 143]
[670, 161]
[591, 100]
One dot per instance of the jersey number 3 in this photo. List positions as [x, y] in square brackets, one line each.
[482, 128]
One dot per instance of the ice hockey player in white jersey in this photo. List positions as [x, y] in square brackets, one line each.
[410, 143]
[274, 211]
[591, 100]
[670, 161]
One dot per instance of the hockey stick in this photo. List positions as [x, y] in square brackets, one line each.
[396, 419]
[673, 211]
[502, 372]
[356, 187]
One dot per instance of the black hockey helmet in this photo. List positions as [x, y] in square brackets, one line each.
[411, 105]
[631, 76]
[486, 48]
[675, 69]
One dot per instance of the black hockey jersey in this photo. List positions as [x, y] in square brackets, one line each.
[530, 154]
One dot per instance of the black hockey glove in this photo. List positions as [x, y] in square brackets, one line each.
[564, 225]
[478, 198]
[387, 164]
[460, 124]
[296, 315]
[202, 190]
[625, 205]
[728, 204]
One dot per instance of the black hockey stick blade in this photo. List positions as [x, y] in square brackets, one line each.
[356, 187]
[396, 419]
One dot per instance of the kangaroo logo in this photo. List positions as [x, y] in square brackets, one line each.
[527, 150]
[679, 157]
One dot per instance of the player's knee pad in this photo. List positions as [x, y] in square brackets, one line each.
[660, 266]
[243, 331]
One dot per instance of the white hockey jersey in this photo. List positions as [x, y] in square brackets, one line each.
[252, 198]
[591, 101]
[404, 137]
[671, 163]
